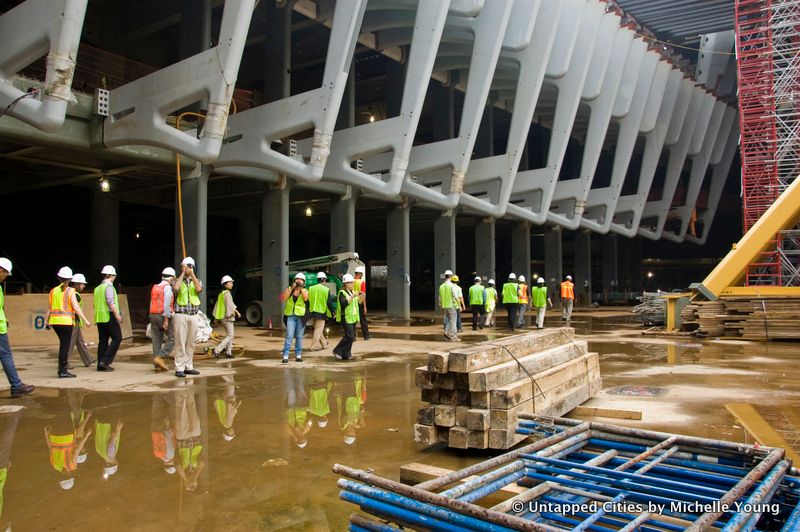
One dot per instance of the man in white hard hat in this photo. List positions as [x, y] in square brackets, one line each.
[477, 301]
[448, 305]
[511, 299]
[162, 308]
[347, 314]
[295, 314]
[360, 287]
[540, 301]
[318, 307]
[108, 317]
[225, 311]
[523, 301]
[61, 312]
[186, 289]
[18, 388]
[79, 283]
[567, 298]
[491, 303]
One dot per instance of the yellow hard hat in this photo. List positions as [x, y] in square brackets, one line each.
[454, 278]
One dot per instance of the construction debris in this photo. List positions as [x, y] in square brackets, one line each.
[750, 319]
[475, 394]
[589, 476]
[652, 310]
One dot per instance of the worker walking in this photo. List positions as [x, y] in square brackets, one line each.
[318, 306]
[491, 303]
[523, 302]
[567, 298]
[347, 310]
[61, 312]
[109, 332]
[294, 316]
[448, 305]
[476, 303]
[511, 299]
[540, 301]
[162, 308]
[458, 297]
[18, 388]
[186, 289]
[225, 311]
[360, 287]
[79, 283]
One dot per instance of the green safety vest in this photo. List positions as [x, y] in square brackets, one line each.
[476, 294]
[318, 299]
[446, 295]
[296, 308]
[491, 298]
[318, 403]
[102, 437]
[101, 312]
[187, 293]
[190, 457]
[3, 322]
[219, 308]
[221, 408]
[539, 296]
[511, 293]
[351, 314]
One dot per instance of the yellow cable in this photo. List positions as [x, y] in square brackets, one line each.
[178, 173]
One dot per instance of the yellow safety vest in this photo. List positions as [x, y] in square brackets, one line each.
[296, 308]
[61, 311]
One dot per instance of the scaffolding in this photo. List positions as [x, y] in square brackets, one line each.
[768, 61]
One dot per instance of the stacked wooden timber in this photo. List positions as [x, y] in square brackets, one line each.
[474, 394]
[706, 318]
[748, 318]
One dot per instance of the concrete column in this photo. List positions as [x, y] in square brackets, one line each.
[444, 247]
[553, 268]
[194, 192]
[278, 47]
[249, 227]
[274, 250]
[610, 262]
[521, 251]
[104, 230]
[583, 268]
[398, 261]
[343, 222]
[485, 247]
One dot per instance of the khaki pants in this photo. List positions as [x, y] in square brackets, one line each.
[318, 341]
[185, 333]
[227, 343]
[566, 308]
[77, 342]
[540, 316]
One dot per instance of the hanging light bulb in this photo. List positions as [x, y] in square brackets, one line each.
[105, 186]
[309, 212]
[371, 118]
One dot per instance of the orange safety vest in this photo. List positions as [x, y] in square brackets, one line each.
[157, 299]
[61, 311]
[567, 290]
[62, 453]
[523, 294]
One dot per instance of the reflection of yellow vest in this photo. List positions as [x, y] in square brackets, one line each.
[190, 457]
[296, 416]
[102, 438]
[62, 453]
[221, 406]
[318, 401]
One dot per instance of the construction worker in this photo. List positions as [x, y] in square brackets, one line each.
[61, 312]
[294, 316]
[108, 317]
[360, 287]
[18, 388]
[227, 407]
[477, 301]
[491, 303]
[458, 297]
[567, 298]
[318, 306]
[540, 301]
[162, 308]
[186, 290]
[523, 302]
[225, 311]
[511, 299]
[448, 305]
[347, 314]
[79, 283]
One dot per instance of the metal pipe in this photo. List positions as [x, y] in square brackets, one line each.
[490, 488]
[598, 514]
[623, 444]
[763, 493]
[653, 463]
[793, 522]
[436, 499]
[611, 516]
[371, 525]
[728, 471]
[649, 452]
[641, 519]
[471, 485]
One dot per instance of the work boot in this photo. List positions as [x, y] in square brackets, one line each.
[104, 367]
[159, 363]
[66, 375]
[25, 389]
[191, 372]
[180, 374]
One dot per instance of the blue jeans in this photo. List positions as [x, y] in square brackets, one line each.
[295, 328]
[7, 360]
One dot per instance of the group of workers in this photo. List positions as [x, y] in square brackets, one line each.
[515, 296]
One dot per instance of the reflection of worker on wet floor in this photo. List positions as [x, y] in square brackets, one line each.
[8, 422]
[188, 433]
[296, 407]
[319, 401]
[107, 440]
[161, 431]
[227, 407]
[66, 441]
[351, 407]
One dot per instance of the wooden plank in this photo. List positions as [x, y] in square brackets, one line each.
[430, 396]
[504, 439]
[478, 439]
[426, 415]
[615, 413]
[448, 397]
[461, 416]
[470, 358]
[445, 416]
[423, 378]
[479, 400]
[758, 427]
[478, 419]
[437, 361]
[425, 434]
[487, 379]
[507, 418]
[458, 438]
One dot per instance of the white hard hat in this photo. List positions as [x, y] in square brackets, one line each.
[491, 281]
[169, 270]
[226, 279]
[347, 278]
[187, 260]
[360, 269]
[82, 458]
[512, 275]
[228, 437]
[448, 272]
[110, 470]
[5, 264]
[322, 423]
[521, 278]
[79, 278]
[477, 278]
[170, 470]
[321, 275]
[67, 483]
[65, 273]
[108, 270]
[569, 277]
[302, 444]
[349, 440]
[300, 275]
[540, 280]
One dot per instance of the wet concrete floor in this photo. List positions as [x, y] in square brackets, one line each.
[251, 446]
